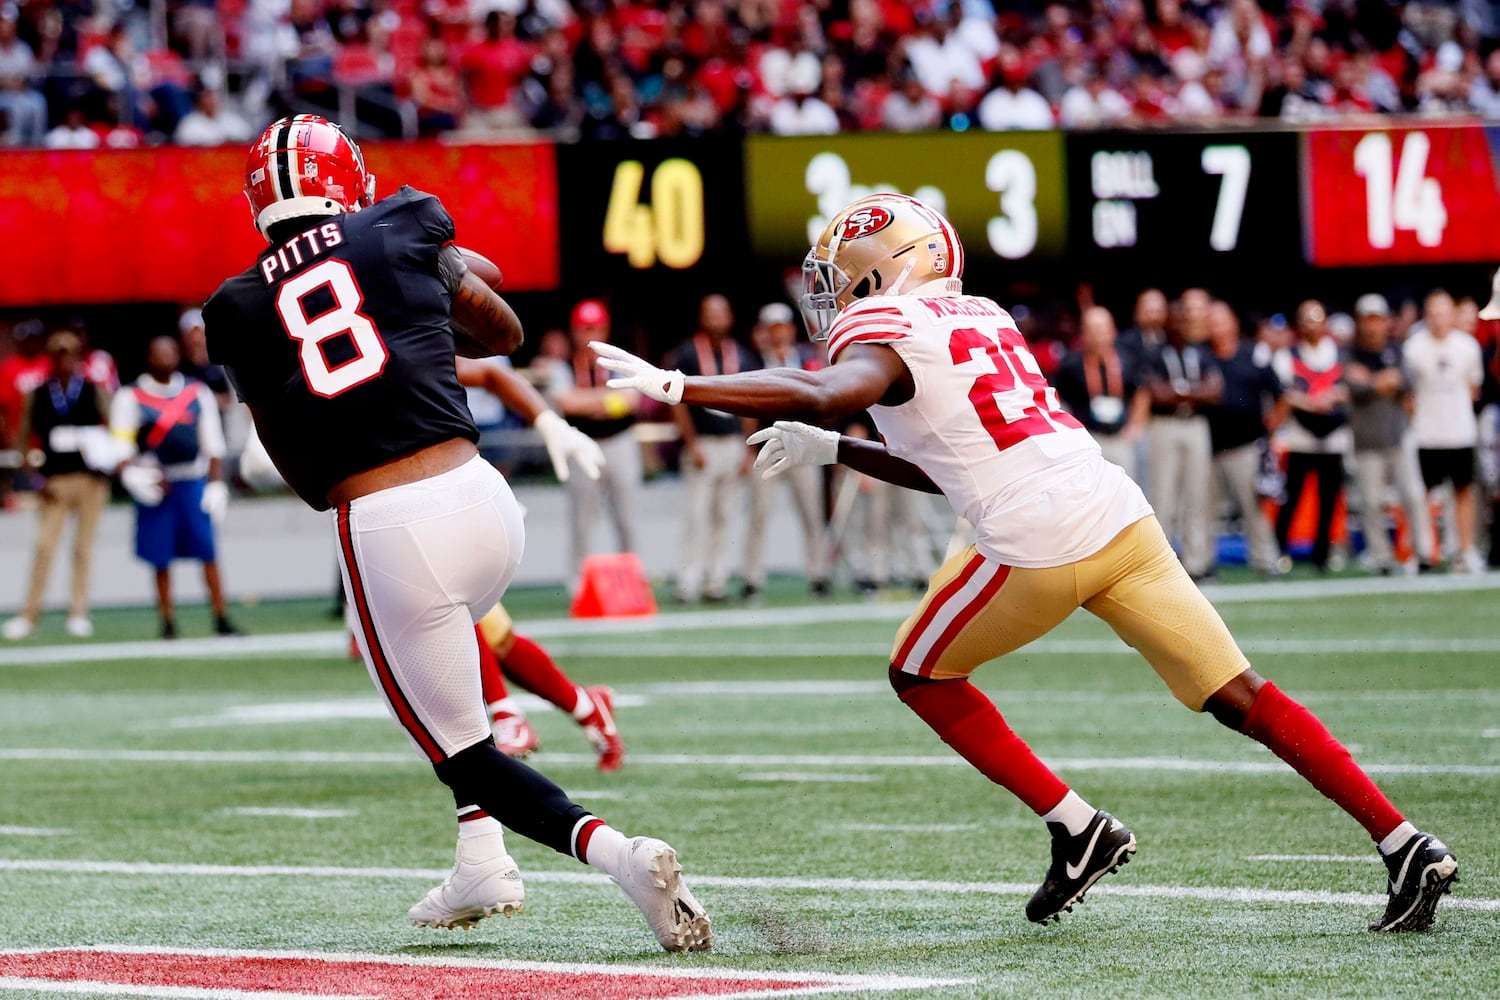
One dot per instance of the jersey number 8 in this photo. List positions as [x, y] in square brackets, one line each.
[344, 318]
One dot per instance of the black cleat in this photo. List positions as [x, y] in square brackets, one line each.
[1077, 863]
[1421, 872]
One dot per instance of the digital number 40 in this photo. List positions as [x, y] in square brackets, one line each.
[670, 229]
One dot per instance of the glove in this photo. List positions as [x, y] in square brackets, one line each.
[564, 442]
[215, 501]
[143, 483]
[642, 376]
[788, 444]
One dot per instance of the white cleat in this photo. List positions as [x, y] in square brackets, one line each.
[79, 626]
[480, 886]
[18, 627]
[652, 879]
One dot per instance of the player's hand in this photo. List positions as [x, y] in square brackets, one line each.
[215, 501]
[143, 483]
[642, 376]
[787, 444]
[564, 443]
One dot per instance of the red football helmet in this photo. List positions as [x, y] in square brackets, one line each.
[302, 166]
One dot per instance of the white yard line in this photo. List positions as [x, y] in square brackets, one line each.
[329, 643]
[36, 985]
[1214, 894]
[291, 812]
[808, 777]
[1142, 764]
[1321, 859]
[34, 831]
[909, 827]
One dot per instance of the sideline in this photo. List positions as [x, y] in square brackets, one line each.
[336, 643]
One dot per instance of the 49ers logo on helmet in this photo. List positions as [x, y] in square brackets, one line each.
[865, 221]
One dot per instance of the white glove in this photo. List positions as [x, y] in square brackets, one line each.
[564, 442]
[143, 483]
[787, 444]
[642, 376]
[215, 501]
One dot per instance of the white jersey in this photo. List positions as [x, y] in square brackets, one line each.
[985, 426]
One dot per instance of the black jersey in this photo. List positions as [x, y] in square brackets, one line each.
[338, 337]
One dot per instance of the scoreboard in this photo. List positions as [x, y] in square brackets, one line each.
[1401, 196]
[1216, 199]
[660, 221]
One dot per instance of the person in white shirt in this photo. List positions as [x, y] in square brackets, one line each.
[210, 123]
[1446, 368]
[1013, 105]
[73, 133]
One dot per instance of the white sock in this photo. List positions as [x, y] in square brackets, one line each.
[1397, 838]
[1072, 812]
[604, 849]
[585, 706]
[505, 706]
[481, 827]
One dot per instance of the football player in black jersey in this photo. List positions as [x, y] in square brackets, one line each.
[338, 339]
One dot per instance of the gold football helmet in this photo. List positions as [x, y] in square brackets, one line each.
[883, 244]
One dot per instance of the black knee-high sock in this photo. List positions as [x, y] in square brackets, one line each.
[520, 798]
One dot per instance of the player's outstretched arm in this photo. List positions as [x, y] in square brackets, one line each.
[863, 377]
[564, 442]
[871, 458]
[485, 317]
[787, 444]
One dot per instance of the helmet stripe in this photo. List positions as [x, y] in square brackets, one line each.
[279, 161]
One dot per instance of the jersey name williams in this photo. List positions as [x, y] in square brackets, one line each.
[279, 262]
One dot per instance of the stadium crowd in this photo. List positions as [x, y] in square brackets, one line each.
[78, 74]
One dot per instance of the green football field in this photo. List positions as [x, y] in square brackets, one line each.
[249, 802]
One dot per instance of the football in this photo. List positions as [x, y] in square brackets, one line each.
[484, 269]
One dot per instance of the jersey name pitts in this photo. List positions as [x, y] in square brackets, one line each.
[290, 254]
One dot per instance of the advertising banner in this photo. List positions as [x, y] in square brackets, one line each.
[168, 224]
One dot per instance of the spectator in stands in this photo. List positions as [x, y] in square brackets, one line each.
[1446, 368]
[436, 90]
[800, 111]
[310, 66]
[1316, 435]
[943, 59]
[775, 341]
[909, 108]
[1103, 385]
[1484, 91]
[1237, 427]
[576, 388]
[1379, 395]
[492, 70]
[1012, 104]
[1184, 382]
[210, 123]
[171, 424]
[73, 133]
[65, 417]
[1090, 102]
[22, 106]
[714, 456]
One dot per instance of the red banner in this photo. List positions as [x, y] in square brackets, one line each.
[169, 224]
[1401, 196]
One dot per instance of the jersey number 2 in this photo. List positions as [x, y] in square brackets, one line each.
[344, 318]
[1010, 394]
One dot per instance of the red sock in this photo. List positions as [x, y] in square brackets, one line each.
[489, 672]
[529, 666]
[1296, 736]
[972, 725]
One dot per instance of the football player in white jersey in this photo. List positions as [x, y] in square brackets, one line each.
[965, 411]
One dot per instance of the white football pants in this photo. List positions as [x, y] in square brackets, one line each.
[421, 564]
